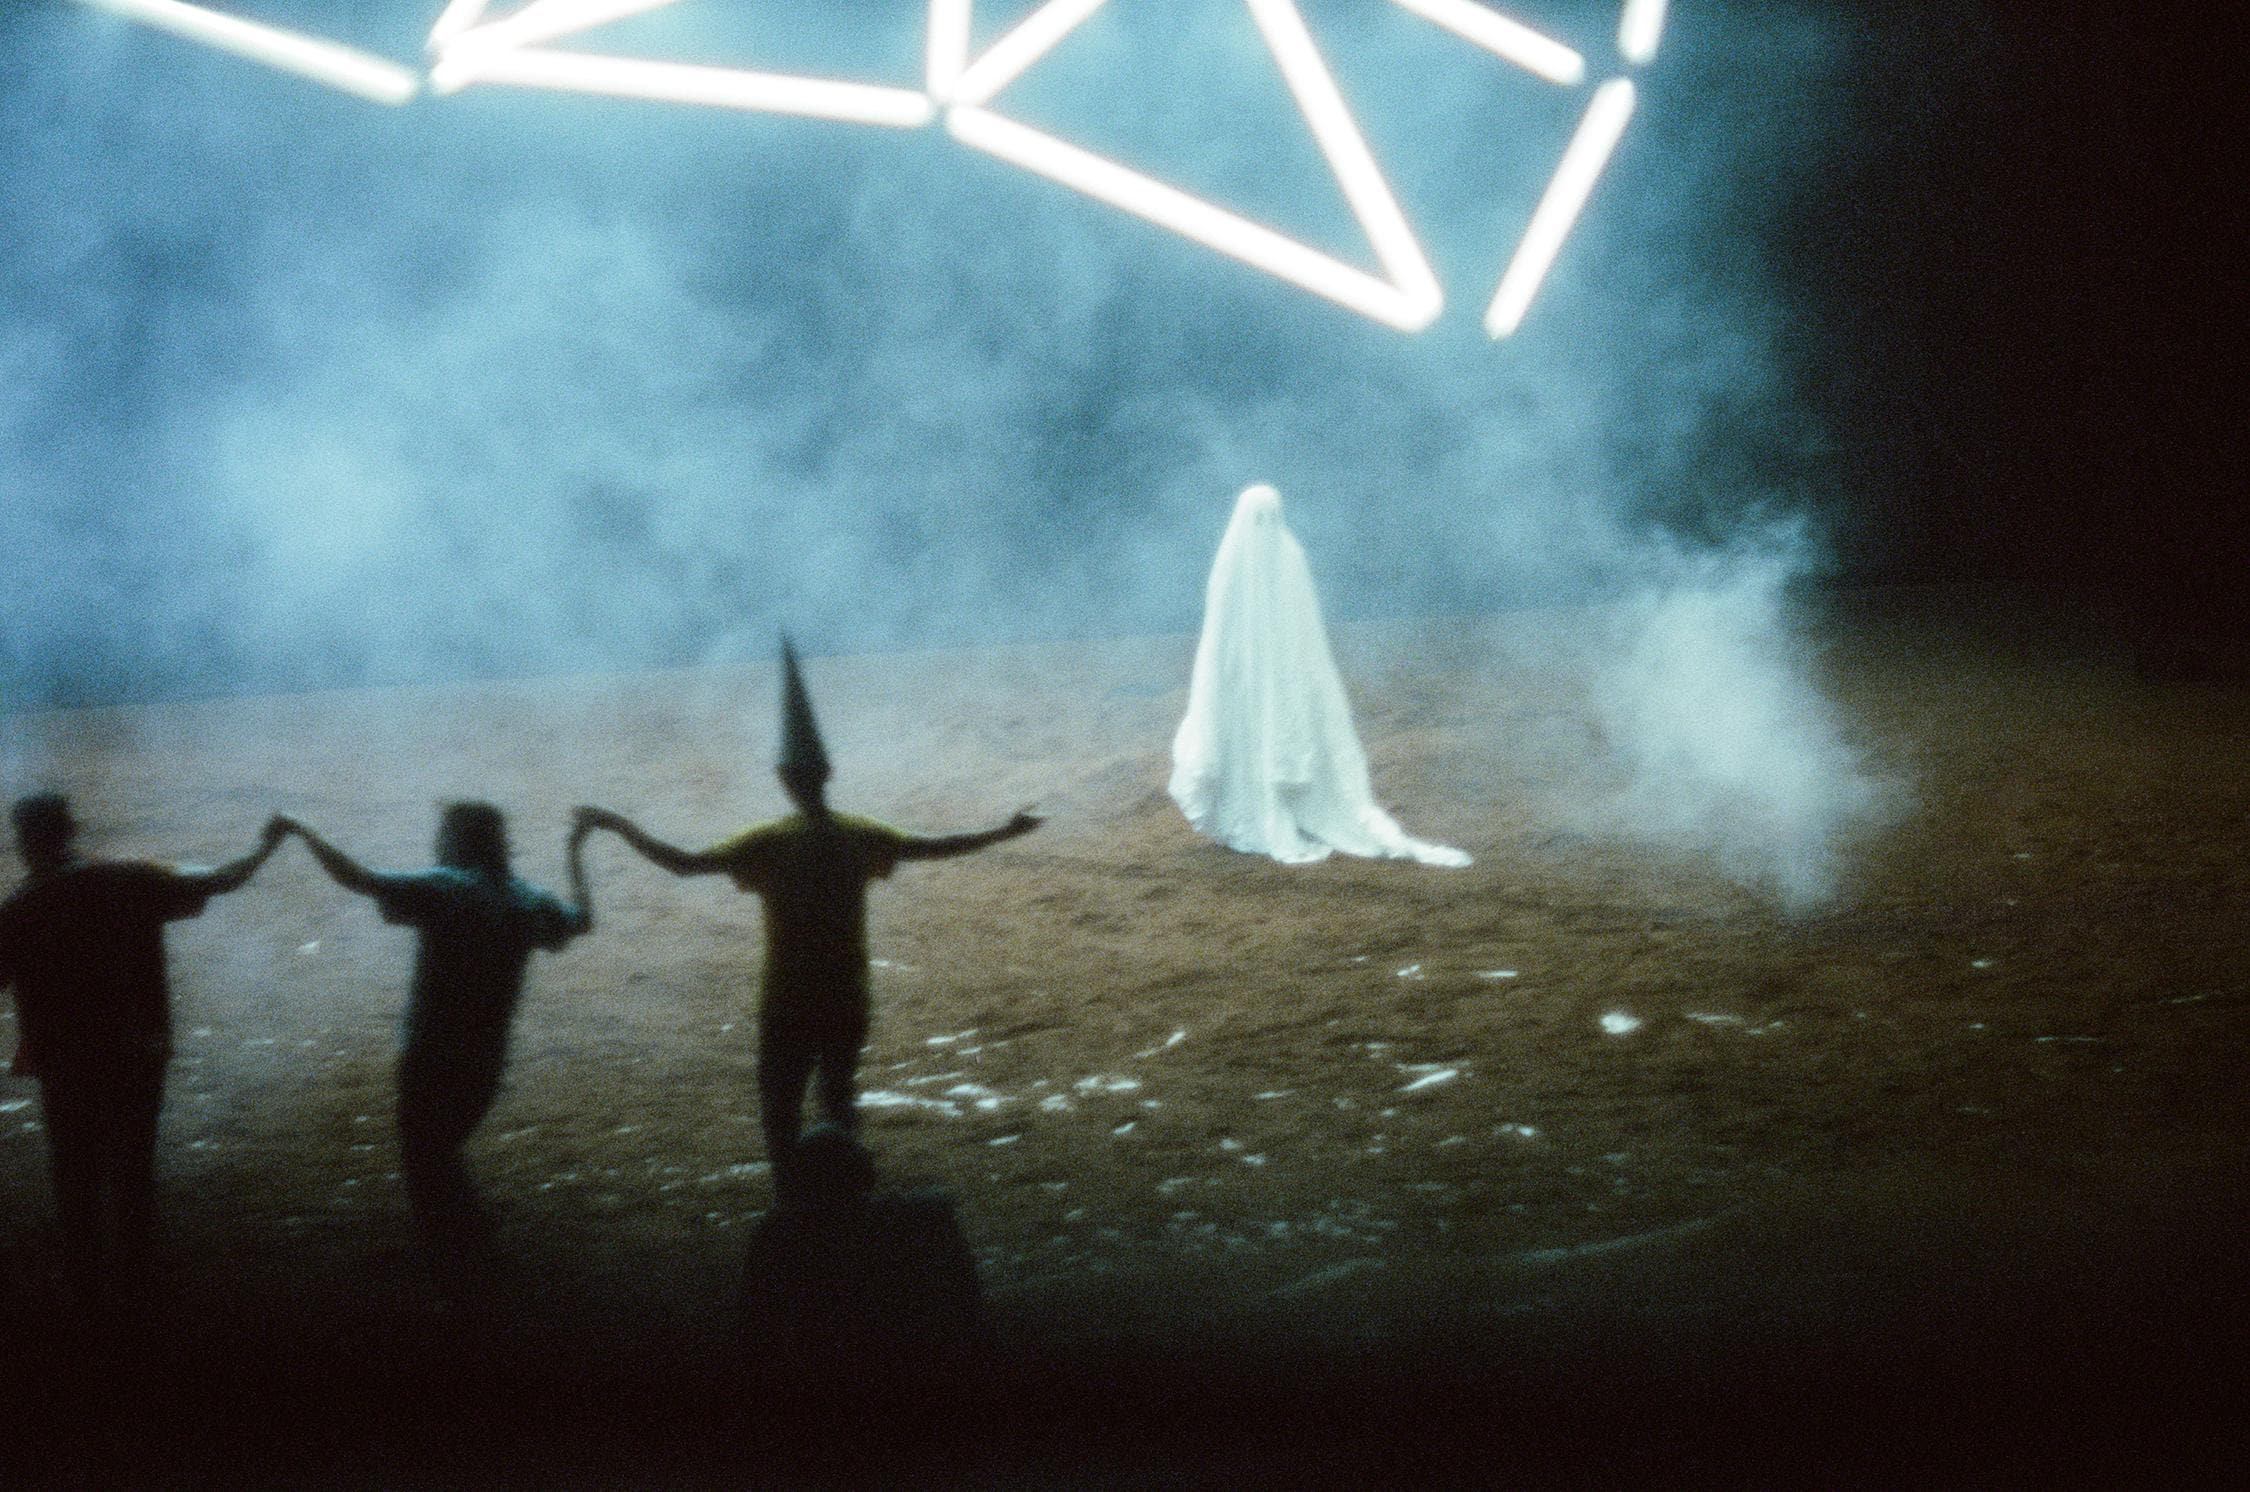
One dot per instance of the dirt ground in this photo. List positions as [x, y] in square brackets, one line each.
[1273, 1173]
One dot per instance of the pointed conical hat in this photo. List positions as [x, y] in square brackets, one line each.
[802, 755]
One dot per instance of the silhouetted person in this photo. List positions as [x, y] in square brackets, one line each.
[811, 868]
[82, 942]
[845, 1279]
[478, 924]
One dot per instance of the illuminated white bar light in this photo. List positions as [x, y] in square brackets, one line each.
[1193, 218]
[1406, 295]
[1008, 58]
[1582, 162]
[948, 46]
[1512, 41]
[710, 87]
[459, 16]
[1365, 191]
[462, 56]
[289, 51]
[1639, 29]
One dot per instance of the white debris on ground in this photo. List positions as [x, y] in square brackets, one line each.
[1428, 1075]
[1322, 1278]
[933, 1077]
[1165, 1045]
[1614, 1245]
[1618, 1023]
[883, 1098]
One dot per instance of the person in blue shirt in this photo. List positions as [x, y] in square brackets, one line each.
[477, 925]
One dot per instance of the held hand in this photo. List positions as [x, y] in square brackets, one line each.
[1024, 821]
[585, 819]
[278, 828]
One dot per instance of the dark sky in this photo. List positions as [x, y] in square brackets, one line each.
[300, 390]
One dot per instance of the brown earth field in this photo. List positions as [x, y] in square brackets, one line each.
[1275, 1175]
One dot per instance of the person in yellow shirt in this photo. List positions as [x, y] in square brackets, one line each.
[811, 868]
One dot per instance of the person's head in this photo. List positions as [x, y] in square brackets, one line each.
[44, 829]
[473, 836]
[808, 790]
[829, 1167]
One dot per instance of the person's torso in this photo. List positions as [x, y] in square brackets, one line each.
[812, 871]
[86, 946]
[476, 938]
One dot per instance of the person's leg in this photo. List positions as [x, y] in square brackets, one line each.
[132, 1167]
[785, 1066]
[70, 1110]
[441, 1100]
[839, 1071]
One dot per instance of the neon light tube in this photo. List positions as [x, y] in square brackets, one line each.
[1638, 30]
[1033, 38]
[289, 51]
[948, 46]
[712, 87]
[462, 58]
[1365, 191]
[1511, 41]
[1408, 309]
[1582, 162]
[459, 16]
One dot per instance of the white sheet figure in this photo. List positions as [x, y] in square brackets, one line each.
[1267, 761]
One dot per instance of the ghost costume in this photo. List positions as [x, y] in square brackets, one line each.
[1267, 761]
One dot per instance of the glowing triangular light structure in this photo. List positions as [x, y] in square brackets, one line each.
[339, 67]
[1405, 296]
[1551, 221]
[507, 52]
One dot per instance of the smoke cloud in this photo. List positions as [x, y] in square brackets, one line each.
[1711, 712]
[298, 392]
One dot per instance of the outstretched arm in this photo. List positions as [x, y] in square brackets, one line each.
[234, 873]
[668, 856]
[945, 846]
[342, 868]
[582, 899]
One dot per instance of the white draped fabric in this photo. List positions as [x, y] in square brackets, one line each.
[1267, 760]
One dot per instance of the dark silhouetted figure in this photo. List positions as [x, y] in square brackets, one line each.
[82, 942]
[843, 1279]
[811, 869]
[478, 924]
